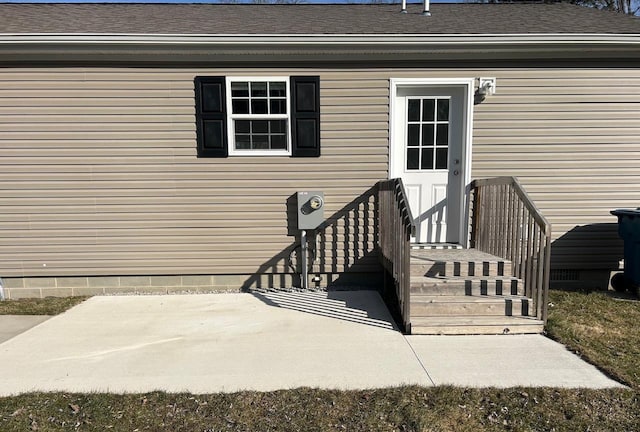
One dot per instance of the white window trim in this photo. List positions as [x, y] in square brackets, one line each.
[231, 117]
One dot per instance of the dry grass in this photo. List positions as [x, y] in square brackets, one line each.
[399, 409]
[46, 306]
[604, 328]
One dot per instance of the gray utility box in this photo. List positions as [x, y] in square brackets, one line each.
[310, 210]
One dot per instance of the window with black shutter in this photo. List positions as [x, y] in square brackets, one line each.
[258, 116]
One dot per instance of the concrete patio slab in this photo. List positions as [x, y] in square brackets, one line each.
[267, 341]
[13, 325]
[213, 343]
[505, 361]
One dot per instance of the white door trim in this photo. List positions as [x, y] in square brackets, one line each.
[468, 84]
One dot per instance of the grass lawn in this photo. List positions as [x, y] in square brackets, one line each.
[597, 326]
[46, 306]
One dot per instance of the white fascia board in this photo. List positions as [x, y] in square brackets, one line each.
[347, 39]
[307, 48]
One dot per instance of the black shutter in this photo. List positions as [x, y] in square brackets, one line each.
[211, 117]
[305, 116]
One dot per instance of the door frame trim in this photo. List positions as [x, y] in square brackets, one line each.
[468, 84]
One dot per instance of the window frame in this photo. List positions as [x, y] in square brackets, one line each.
[231, 117]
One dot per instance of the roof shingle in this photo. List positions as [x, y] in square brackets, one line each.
[299, 19]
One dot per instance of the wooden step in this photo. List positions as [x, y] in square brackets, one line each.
[460, 268]
[499, 285]
[460, 263]
[461, 325]
[469, 306]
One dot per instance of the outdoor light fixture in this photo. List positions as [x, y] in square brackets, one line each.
[486, 86]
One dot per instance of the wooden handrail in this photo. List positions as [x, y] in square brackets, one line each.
[395, 228]
[506, 222]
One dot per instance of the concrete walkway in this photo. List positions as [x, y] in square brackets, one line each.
[267, 341]
[13, 325]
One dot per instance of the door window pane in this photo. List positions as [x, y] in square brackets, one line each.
[413, 135]
[442, 135]
[427, 158]
[427, 135]
[443, 109]
[414, 110]
[441, 158]
[413, 159]
[428, 110]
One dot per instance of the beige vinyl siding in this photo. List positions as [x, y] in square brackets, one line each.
[572, 137]
[99, 175]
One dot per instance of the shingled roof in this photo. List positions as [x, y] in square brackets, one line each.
[310, 19]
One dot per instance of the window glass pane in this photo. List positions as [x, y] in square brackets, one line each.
[243, 126]
[427, 135]
[278, 142]
[239, 89]
[260, 126]
[259, 106]
[278, 126]
[427, 158]
[441, 158]
[243, 142]
[428, 108]
[258, 89]
[414, 110]
[413, 135]
[413, 158]
[260, 142]
[278, 106]
[442, 136]
[443, 109]
[240, 106]
[277, 89]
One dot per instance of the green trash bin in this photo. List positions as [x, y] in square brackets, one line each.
[629, 231]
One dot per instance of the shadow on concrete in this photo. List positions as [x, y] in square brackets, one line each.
[359, 307]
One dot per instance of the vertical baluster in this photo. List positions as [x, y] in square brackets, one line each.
[514, 207]
[495, 219]
[529, 256]
[547, 272]
[517, 264]
[536, 266]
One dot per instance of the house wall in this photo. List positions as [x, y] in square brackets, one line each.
[101, 189]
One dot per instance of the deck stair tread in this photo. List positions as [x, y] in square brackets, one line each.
[453, 255]
[457, 285]
[458, 325]
[466, 299]
[466, 291]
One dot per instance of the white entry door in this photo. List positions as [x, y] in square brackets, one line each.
[428, 153]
